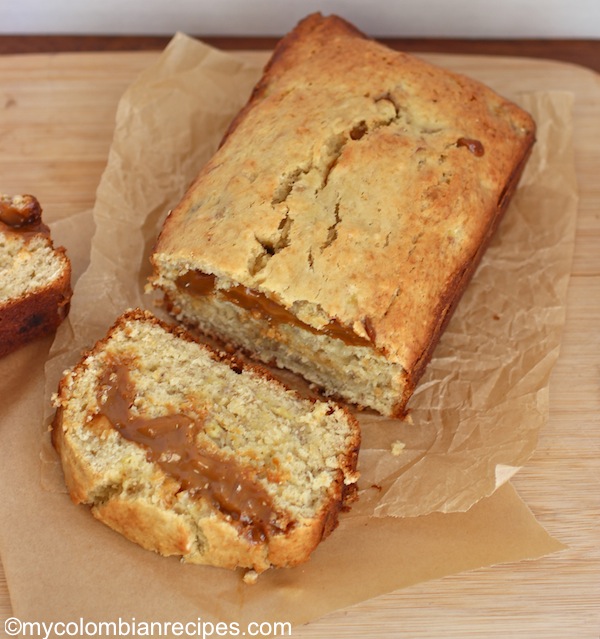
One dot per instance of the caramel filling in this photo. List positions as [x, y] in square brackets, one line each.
[22, 215]
[474, 146]
[260, 306]
[170, 442]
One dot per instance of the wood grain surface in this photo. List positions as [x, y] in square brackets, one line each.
[56, 117]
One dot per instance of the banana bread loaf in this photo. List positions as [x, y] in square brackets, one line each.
[336, 227]
[35, 277]
[189, 453]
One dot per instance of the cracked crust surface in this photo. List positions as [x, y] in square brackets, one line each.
[251, 432]
[358, 184]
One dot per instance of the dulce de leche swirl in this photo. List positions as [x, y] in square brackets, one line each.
[201, 284]
[21, 214]
[170, 442]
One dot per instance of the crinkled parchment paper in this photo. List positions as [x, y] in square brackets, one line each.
[478, 410]
[474, 419]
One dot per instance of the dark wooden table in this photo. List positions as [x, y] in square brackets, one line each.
[582, 52]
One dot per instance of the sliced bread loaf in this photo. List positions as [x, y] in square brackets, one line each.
[187, 452]
[338, 224]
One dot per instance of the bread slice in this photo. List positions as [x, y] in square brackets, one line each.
[189, 453]
[336, 227]
[36, 277]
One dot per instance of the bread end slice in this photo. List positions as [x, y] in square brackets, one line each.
[36, 277]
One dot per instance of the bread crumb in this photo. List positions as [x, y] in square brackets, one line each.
[250, 577]
[397, 448]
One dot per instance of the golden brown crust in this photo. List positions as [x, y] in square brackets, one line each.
[77, 474]
[283, 57]
[358, 185]
[456, 287]
[152, 528]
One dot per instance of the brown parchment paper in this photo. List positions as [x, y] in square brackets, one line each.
[475, 416]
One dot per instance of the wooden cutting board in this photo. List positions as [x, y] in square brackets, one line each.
[56, 119]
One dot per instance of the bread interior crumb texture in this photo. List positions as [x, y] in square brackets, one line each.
[294, 447]
[27, 264]
[359, 373]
